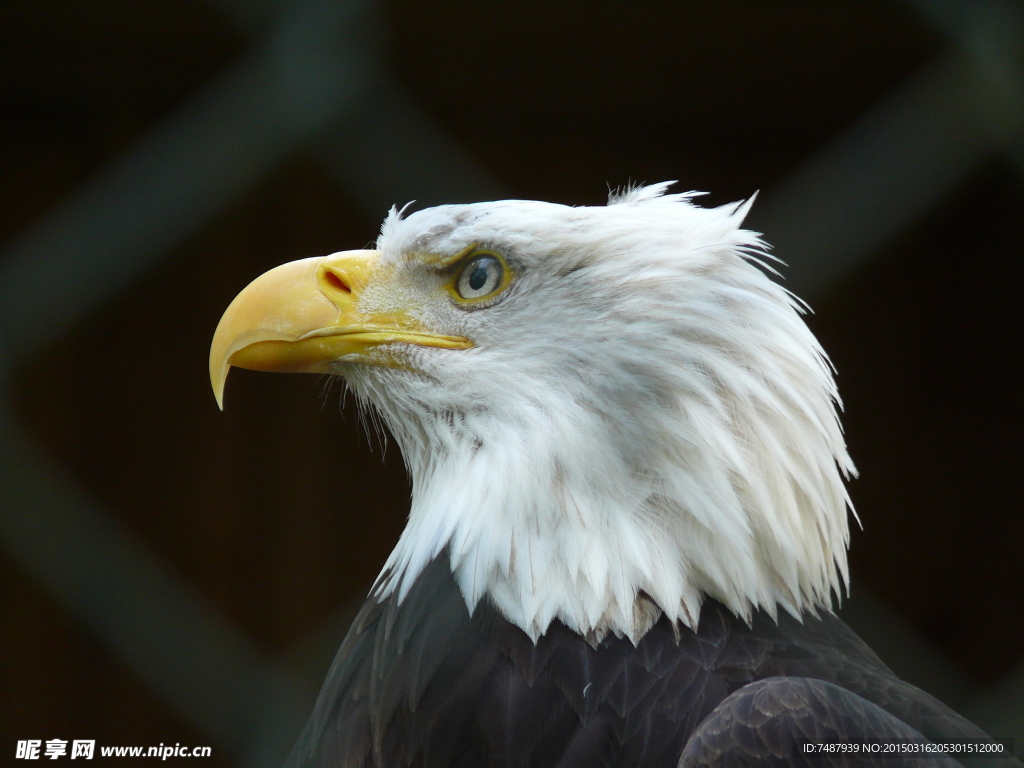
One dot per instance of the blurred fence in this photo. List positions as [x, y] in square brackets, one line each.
[314, 72]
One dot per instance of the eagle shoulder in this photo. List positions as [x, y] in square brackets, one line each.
[422, 682]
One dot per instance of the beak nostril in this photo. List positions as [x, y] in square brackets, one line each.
[333, 280]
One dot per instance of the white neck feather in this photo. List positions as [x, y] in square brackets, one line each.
[694, 454]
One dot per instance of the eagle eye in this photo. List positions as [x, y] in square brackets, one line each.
[480, 276]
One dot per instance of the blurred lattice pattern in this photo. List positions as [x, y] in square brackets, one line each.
[169, 573]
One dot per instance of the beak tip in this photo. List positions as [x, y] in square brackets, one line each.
[217, 380]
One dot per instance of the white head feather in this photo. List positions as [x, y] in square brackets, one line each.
[644, 420]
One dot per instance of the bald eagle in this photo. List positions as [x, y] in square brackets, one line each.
[629, 516]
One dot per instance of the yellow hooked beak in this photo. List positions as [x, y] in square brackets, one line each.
[302, 316]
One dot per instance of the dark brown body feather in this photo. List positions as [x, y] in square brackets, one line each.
[426, 684]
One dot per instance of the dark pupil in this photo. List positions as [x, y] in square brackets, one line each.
[478, 276]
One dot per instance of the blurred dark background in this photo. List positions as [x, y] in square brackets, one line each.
[173, 574]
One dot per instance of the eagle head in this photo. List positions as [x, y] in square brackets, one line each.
[608, 413]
